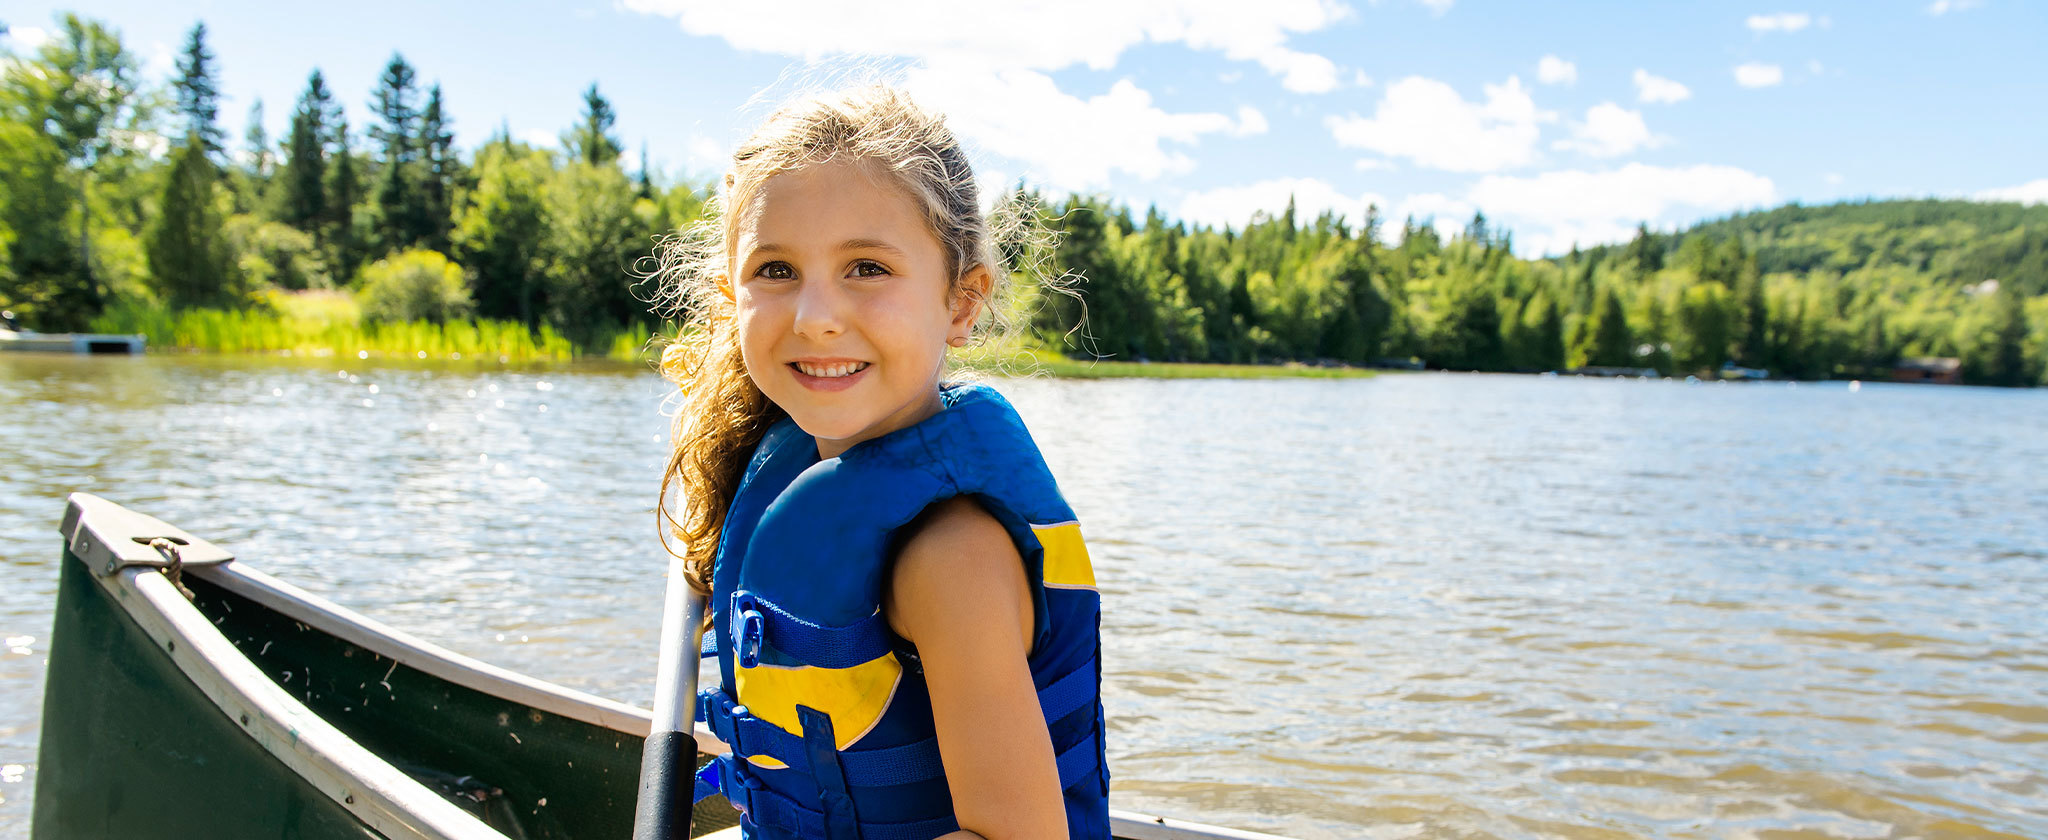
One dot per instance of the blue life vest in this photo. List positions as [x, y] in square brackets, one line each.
[825, 709]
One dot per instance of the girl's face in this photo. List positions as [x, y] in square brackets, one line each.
[845, 304]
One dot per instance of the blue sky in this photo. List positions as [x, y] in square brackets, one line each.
[1565, 122]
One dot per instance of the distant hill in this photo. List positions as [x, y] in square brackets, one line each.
[1950, 241]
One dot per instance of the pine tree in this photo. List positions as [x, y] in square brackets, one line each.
[198, 93]
[1610, 344]
[188, 255]
[398, 131]
[437, 175]
[591, 141]
[304, 204]
[344, 189]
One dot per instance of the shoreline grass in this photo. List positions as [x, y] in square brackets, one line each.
[321, 325]
[330, 325]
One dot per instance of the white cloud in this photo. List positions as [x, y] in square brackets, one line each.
[1556, 71]
[1249, 122]
[27, 39]
[1072, 143]
[1551, 211]
[1372, 164]
[537, 138]
[1359, 79]
[1427, 122]
[1609, 130]
[1780, 22]
[1438, 6]
[1942, 7]
[1756, 75]
[1234, 206]
[1834, 179]
[1659, 90]
[1008, 36]
[1815, 67]
[2031, 192]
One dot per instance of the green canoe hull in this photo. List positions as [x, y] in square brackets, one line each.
[131, 749]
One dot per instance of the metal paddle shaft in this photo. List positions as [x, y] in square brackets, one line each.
[668, 763]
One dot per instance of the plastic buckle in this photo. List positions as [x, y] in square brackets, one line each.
[752, 626]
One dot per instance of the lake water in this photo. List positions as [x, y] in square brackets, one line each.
[1410, 606]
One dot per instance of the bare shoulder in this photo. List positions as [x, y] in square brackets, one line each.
[957, 563]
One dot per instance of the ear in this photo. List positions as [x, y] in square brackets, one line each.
[967, 304]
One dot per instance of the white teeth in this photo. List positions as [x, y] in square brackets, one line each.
[831, 371]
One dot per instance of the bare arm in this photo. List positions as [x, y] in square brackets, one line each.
[959, 593]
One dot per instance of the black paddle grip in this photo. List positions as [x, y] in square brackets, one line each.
[668, 777]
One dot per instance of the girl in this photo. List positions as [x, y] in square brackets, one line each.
[904, 614]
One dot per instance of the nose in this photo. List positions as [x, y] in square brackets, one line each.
[820, 310]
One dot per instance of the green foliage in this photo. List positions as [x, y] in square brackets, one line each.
[593, 240]
[415, 285]
[276, 254]
[44, 281]
[188, 253]
[501, 232]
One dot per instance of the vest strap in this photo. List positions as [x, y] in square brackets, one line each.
[1069, 694]
[901, 765]
[748, 735]
[1077, 762]
[816, 645]
[782, 816]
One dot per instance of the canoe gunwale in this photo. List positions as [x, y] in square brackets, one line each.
[428, 658]
[383, 797]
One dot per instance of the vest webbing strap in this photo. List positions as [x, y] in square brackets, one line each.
[767, 809]
[817, 645]
[901, 765]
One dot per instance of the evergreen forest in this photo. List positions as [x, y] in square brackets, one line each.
[125, 208]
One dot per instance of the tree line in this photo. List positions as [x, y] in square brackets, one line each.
[115, 191]
[1847, 290]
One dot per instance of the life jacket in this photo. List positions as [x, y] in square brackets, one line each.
[825, 709]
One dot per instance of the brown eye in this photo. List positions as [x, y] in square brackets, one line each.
[775, 271]
[869, 268]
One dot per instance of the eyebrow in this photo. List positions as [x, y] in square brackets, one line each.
[848, 245]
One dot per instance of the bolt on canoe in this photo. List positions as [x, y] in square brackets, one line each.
[189, 695]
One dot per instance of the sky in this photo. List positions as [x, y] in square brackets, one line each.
[1565, 123]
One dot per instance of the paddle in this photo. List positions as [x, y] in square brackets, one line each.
[668, 763]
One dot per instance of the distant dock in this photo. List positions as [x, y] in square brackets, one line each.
[35, 342]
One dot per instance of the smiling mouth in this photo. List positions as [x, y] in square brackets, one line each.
[831, 371]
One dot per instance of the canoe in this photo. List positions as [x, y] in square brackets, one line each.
[254, 709]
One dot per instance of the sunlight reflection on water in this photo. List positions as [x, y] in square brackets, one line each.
[1412, 606]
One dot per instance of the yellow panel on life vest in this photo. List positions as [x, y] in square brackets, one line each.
[1066, 556]
[854, 697]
